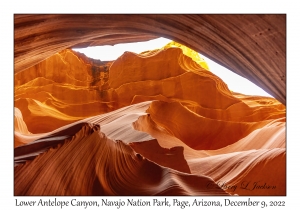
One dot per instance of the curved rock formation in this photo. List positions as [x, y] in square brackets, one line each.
[253, 46]
[107, 168]
[159, 119]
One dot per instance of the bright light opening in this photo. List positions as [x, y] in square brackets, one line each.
[234, 82]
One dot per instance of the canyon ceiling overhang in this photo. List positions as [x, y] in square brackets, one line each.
[253, 46]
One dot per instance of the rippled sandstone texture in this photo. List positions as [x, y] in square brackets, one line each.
[253, 46]
[155, 123]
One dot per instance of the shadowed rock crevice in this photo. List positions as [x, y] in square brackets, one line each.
[155, 123]
[253, 46]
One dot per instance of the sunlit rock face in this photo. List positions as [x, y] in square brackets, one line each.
[251, 45]
[155, 123]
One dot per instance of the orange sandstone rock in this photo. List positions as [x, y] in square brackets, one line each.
[159, 119]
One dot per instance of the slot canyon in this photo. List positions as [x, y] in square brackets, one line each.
[154, 123]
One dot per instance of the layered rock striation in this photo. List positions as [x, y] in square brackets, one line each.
[253, 46]
[160, 119]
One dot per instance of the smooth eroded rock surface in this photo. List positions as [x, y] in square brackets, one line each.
[155, 123]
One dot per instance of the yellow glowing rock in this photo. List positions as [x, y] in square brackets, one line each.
[189, 52]
[179, 127]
